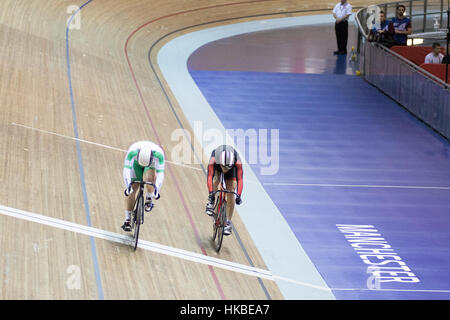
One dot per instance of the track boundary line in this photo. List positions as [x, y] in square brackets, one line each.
[146, 245]
[265, 183]
[353, 186]
[395, 290]
[175, 252]
[95, 262]
[94, 143]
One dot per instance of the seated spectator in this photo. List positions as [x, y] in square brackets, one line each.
[383, 32]
[385, 25]
[447, 57]
[402, 26]
[435, 57]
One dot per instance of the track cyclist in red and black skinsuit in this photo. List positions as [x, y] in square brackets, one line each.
[225, 159]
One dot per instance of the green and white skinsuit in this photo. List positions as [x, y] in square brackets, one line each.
[132, 171]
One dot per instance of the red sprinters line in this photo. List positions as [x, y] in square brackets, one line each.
[188, 212]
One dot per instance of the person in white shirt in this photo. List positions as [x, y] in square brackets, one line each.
[435, 57]
[341, 13]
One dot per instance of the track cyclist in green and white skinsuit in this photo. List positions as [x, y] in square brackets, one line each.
[144, 162]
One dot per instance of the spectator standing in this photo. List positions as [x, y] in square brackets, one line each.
[341, 13]
[402, 26]
[434, 57]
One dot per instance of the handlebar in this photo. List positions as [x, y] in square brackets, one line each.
[226, 191]
[142, 183]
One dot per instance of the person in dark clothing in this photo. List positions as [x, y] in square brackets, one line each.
[225, 159]
[402, 26]
[382, 32]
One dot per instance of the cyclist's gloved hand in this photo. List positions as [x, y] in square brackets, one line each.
[238, 200]
[128, 190]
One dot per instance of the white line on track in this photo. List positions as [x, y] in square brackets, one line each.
[352, 185]
[94, 143]
[175, 252]
[147, 245]
[104, 146]
[394, 290]
[184, 254]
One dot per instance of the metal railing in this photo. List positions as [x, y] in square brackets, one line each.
[421, 13]
[420, 92]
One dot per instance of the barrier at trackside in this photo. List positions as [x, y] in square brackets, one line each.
[400, 72]
[422, 93]
[414, 54]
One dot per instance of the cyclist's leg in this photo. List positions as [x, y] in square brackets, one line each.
[130, 200]
[136, 175]
[150, 176]
[231, 185]
[216, 180]
[215, 187]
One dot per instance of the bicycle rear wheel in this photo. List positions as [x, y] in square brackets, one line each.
[139, 213]
[221, 225]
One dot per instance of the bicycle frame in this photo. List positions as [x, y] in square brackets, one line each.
[141, 194]
[219, 221]
[136, 220]
[222, 190]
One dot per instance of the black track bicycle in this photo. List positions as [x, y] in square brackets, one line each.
[220, 214]
[137, 216]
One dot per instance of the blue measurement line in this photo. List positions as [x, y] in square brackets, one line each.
[80, 160]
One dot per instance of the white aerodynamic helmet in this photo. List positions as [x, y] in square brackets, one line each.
[145, 157]
[227, 159]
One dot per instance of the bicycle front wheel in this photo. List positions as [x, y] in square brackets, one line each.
[220, 225]
[215, 222]
[139, 213]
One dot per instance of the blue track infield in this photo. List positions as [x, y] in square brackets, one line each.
[348, 155]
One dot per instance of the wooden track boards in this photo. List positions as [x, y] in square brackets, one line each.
[40, 171]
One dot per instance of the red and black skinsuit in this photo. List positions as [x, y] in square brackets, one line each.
[235, 173]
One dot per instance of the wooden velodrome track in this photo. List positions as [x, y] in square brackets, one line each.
[117, 100]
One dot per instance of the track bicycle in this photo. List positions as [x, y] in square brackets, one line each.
[220, 213]
[137, 216]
